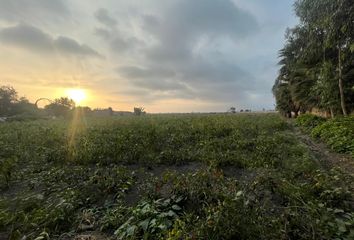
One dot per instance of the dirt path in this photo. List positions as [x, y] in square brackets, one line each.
[324, 155]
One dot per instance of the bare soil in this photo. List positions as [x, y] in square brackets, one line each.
[326, 157]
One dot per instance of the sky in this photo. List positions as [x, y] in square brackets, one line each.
[166, 56]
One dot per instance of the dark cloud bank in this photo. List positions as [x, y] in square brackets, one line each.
[34, 39]
[24, 10]
[178, 49]
[172, 65]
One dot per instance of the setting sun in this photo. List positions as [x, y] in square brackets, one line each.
[78, 95]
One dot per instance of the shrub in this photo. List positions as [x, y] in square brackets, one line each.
[7, 169]
[309, 121]
[337, 133]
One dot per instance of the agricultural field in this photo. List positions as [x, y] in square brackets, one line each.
[223, 176]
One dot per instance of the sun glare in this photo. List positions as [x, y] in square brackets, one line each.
[78, 95]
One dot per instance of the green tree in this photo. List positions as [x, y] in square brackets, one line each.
[335, 20]
[285, 104]
[317, 64]
[138, 111]
[60, 107]
[8, 98]
[232, 110]
[23, 106]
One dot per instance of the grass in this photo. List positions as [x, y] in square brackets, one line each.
[168, 177]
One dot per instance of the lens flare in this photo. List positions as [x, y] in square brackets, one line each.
[78, 95]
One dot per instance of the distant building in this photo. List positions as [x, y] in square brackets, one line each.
[138, 111]
[232, 110]
[98, 112]
[122, 113]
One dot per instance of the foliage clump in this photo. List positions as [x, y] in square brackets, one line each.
[337, 133]
[316, 62]
[309, 121]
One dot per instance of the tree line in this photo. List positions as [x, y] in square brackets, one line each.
[317, 60]
[19, 108]
[13, 105]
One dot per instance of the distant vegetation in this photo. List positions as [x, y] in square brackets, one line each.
[60, 107]
[139, 111]
[11, 104]
[15, 108]
[317, 61]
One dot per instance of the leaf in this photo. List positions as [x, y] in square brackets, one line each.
[176, 207]
[146, 209]
[162, 215]
[171, 213]
[131, 230]
[153, 222]
[145, 224]
[39, 238]
[352, 47]
[179, 199]
[43, 235]
[338, 211]
[342, 228]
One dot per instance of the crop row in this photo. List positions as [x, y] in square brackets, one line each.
[168, 177]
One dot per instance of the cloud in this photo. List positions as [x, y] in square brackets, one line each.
[103, 17]
[121, 44]
[145, 95]
[183, 24]
[70, 46]
[117, 42]
[28, 37]
[209, 52]
[24, 10]
[159, 85]
[201, 80]
[136, 72]
[180, 64]
[153, 79]
[220, 51]
[211, 17]
[218, 72]
[103, 33]
[34, 39]
[111, 33]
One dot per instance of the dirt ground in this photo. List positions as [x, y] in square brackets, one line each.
[325, 156]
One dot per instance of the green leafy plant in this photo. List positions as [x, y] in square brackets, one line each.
[337, 133]
[309, 121]
[150, 219]
[172, 177]
[7, 169]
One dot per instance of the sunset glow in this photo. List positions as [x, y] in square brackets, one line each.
[78, 95]
[102, 54]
